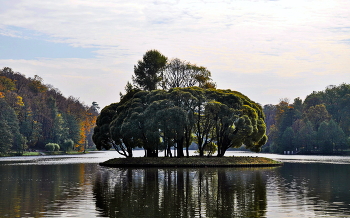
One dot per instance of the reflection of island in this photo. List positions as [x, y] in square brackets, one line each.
[173, 192]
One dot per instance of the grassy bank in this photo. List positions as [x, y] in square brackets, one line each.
[37, 153]
[191, 162]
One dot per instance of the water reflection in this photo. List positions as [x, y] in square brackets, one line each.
[310, 190]
[181, 192]
[45, 190]
[53, 187]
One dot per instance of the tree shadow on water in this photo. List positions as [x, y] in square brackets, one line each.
[171, 192]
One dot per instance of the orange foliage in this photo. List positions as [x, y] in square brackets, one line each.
[86, 126]
[6, 84]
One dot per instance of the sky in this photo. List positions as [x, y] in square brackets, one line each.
[268, 50]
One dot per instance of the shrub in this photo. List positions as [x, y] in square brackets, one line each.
[67, 145]
[52, 147]
[57, 147]
[49, 147]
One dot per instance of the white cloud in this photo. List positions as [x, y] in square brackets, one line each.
[298, 42]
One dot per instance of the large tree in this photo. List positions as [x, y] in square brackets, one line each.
[330, 137]
[148, 71]
[102, 135]
[180, 73]
[160, 119]
[10, 128]
[6, 137]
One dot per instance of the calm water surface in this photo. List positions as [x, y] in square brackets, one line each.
[76, 186]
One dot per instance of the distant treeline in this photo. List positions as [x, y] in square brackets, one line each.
[33, 114]
[319, 125]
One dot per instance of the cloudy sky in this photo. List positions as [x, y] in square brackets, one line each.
[267, 50]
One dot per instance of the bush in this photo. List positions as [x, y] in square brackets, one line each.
[57, 147]
[68, 145]
[52, 147]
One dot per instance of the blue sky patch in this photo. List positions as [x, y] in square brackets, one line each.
[33, 48]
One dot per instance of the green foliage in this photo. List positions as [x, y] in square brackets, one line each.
[190, 109]
[57, 147]
[102, 136]
[36, 85]
[11, 124]
[67, 145]
[36, 113]
[210, 148]
[178, 73]
[147, 72]
[317, 114]
[6, 138]
[154, 71]
[320, 124]
[6, 84]
[159, 120]
[331, 137]
[52, 147]
[288, 138]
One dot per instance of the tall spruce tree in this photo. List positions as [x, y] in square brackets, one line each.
[148, 71]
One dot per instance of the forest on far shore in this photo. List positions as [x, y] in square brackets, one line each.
[318, 125]
[36, 116]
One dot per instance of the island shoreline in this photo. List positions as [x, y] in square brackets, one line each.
[190, 162]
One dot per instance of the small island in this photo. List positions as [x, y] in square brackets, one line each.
[145, 162]
[173, 105]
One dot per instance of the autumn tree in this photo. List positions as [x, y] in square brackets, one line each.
[42, 113]
[317, 114]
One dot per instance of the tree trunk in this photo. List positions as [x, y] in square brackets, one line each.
[151, 153]
[180, 147]
[201, 152]
[129, 152]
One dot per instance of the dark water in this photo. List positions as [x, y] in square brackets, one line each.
[78, 187]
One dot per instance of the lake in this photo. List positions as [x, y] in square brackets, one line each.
[76, 186]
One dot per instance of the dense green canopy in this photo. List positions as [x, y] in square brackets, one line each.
[319, 125]
[158, 120]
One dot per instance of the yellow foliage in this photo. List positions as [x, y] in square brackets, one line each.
[6, 84]
[20, 101]
[86, 126]
[2, 95]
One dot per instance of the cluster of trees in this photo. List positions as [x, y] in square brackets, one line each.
[186, 109]
[155, 71]
[320, 124]
[33, 114]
